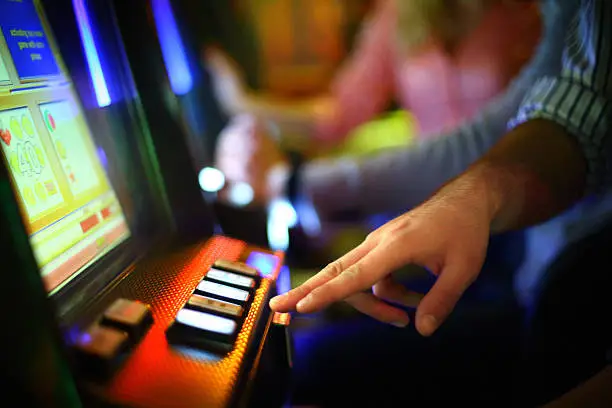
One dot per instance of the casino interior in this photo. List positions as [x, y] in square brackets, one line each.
[138, 276]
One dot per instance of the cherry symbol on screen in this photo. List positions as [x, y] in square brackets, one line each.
[6, 137]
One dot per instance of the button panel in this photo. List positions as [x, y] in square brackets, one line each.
[214, 314]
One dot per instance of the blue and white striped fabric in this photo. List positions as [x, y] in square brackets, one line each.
[580, 97]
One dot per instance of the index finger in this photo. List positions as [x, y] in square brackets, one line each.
[377, 264]
[289, 300]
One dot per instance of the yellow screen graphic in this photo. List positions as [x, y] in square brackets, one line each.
[4, 75]
[72, 213]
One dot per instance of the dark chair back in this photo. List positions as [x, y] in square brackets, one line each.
[570, 325]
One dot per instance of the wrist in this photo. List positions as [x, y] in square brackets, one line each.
[507, 191]
[487, 184]
[475, 190]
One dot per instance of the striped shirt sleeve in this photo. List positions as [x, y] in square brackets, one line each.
[398, 180]
[579, 96]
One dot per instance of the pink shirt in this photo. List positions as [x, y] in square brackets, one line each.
[441, 91]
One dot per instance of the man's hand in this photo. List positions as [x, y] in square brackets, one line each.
[247, 154]
[448, 235]
[227, 80]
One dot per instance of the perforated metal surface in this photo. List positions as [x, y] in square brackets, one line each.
[156, 375]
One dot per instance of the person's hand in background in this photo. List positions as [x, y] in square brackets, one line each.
[448, 235]
[294, 118]
[246, 153]
[227, 80]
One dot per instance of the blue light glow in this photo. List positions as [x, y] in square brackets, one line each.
[265, 263]
[85, 338]
[172, 47]
[91, 53]
[278, 234]
[283, 282]
[102, 156]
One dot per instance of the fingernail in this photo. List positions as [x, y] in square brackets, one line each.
[304, 303]
[401, 325]
[429, 324]
[276, 299]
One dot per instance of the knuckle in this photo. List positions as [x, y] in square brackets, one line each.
[372, 236]
[335, 268]
[352, 274]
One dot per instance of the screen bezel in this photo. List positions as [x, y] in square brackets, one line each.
[59, 21]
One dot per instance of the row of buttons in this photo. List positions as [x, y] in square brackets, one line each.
[212, 316]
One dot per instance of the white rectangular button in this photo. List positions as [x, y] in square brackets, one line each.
[223, 290]
[206, 321]
[215, 305]
[231, 278]
[236, 267]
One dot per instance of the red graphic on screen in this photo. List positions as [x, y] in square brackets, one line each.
[6, 137]
[50, 121]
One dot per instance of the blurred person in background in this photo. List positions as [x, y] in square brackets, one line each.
[442, 60]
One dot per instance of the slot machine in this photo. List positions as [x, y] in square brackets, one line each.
[117, 291]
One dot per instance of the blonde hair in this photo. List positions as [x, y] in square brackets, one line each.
[443, 21]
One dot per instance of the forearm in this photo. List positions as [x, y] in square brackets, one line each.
[284, 109]
[534, 173]
[295, 123]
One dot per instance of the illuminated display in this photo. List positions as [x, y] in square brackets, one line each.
[29, 163]
[71, 212]
[63, 122]
[4, 76]
[26, 39]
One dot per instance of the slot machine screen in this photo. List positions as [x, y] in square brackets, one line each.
[70, 209]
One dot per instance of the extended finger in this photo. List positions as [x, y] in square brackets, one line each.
[394, 292]
[443, 296]
[368, 304]
[289, 300]
[362, 275]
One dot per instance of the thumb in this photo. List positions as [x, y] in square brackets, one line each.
[442, 298]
